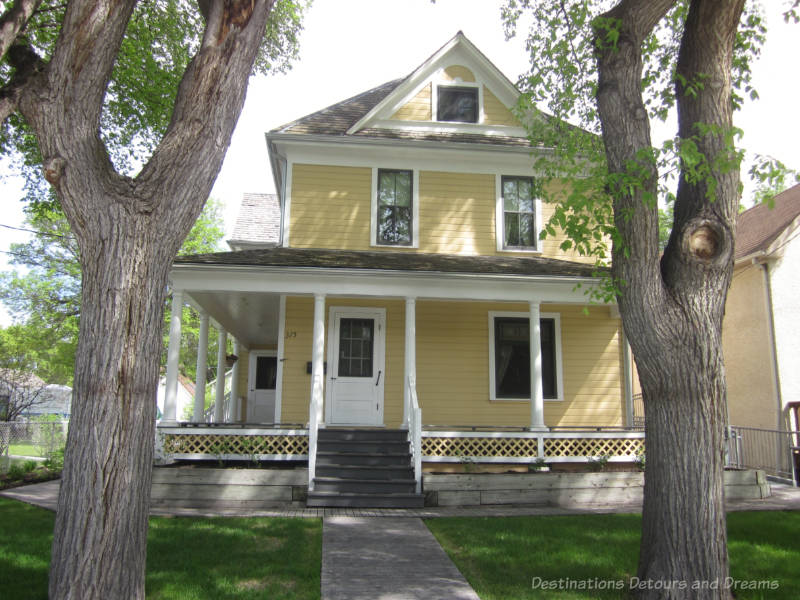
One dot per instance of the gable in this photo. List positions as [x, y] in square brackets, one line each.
[458, 69]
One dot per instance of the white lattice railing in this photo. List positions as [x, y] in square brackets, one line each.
[523, 447]
[230, 443]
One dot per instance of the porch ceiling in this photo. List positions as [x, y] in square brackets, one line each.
[250, 317]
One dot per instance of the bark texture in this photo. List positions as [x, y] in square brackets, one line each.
[672, 307]
[128, 231]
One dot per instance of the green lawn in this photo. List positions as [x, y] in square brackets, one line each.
[187, 559]
[24, 450]
[505, 558]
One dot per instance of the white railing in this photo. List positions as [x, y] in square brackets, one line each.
[414, 424]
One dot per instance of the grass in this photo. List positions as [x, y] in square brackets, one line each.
[501, 557]
[24, 450]
[187, 559]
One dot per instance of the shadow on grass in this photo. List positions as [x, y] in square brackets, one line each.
[595, 556]
[187, 559]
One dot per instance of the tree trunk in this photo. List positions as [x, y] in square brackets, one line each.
[672, 307]
[128, 231]
[105, 500]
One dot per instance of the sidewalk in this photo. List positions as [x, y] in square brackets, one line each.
[390, 558]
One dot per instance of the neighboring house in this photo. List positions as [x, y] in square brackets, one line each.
[409, 268]
[258, 224]
[761, 330]
[184, 398]
[26, 396]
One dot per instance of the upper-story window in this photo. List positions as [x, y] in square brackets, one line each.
[395, 212]
[457, 103]
[519, 213]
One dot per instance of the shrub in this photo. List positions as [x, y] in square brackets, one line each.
[29, 466]
[15, 472]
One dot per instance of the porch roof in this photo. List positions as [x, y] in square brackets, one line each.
[397, 261]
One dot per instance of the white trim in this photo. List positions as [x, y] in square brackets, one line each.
[500, 226]
[281, 358]
[379, 314]
[432, 433]
[201, 370]
[287, 204]
[439, 82]
[251, 376]
[301, 281]
[452, 127]
[173, 357]
[559, 363]
[373, 209]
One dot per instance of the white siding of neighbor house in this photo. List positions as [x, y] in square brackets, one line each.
[785, 282]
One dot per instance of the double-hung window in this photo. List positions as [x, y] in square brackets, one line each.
[395, 207]
[519, 213]
[511, 357]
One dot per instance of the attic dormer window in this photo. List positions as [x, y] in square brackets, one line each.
[457, 103]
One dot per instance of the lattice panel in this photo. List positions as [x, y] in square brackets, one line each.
[562, 447]
[246, 445]
[478, 446]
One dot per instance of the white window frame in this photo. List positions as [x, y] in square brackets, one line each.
[500, 218]
[558, 365]
[373, 224]
[435, 85]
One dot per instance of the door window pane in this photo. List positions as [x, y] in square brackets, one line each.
[355, 347]
[266, 372]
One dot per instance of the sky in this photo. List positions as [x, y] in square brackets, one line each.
[350, 46]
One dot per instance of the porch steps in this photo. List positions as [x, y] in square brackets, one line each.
[364, 468]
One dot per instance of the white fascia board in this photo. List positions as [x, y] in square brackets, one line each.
[444, 127]
[463, 53]
[455, 157]
[383, 284]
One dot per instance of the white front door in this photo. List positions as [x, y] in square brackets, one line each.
[262, 377]
[356, 369]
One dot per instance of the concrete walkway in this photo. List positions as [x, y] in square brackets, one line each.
[387, 558]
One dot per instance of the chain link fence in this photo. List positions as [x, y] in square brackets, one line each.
[31, 440]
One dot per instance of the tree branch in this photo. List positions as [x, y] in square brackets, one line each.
[13, 21]
[26, 64]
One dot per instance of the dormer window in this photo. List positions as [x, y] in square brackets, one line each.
[457, 103]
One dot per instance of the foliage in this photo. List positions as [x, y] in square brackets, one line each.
[264, 558]
[771, 177]
[44, 293]
[22, 391]
[563, 80]
[50, 438]
[161, 38]
[598, 463]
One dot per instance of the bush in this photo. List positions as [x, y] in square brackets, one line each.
[29, 466]
[15, 472]
[49, 437]
[55, 462]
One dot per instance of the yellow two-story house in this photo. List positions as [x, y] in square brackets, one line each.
[409, 282]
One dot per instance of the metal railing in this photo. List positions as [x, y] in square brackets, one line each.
[415, 431]
[771, 450]
[638, 411]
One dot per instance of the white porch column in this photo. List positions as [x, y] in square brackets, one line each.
[233, 407]
[411, 354]
[317, 357]
[173, 354]
[537, 394]
[219, 400]
[627, 374]
[202, 368]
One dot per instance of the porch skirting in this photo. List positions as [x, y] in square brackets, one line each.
[255, 444]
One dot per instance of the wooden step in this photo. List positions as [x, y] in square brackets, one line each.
[345, 500]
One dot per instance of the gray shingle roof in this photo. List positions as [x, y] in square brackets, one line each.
[259, 221]
[393, 261]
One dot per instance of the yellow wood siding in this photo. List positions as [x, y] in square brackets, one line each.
[416, 109]
[454, 72]
[330, 208]
[453, 364]
[495, 112]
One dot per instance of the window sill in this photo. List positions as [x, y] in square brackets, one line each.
[531, 250]
[524, 400]
[409, 246]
